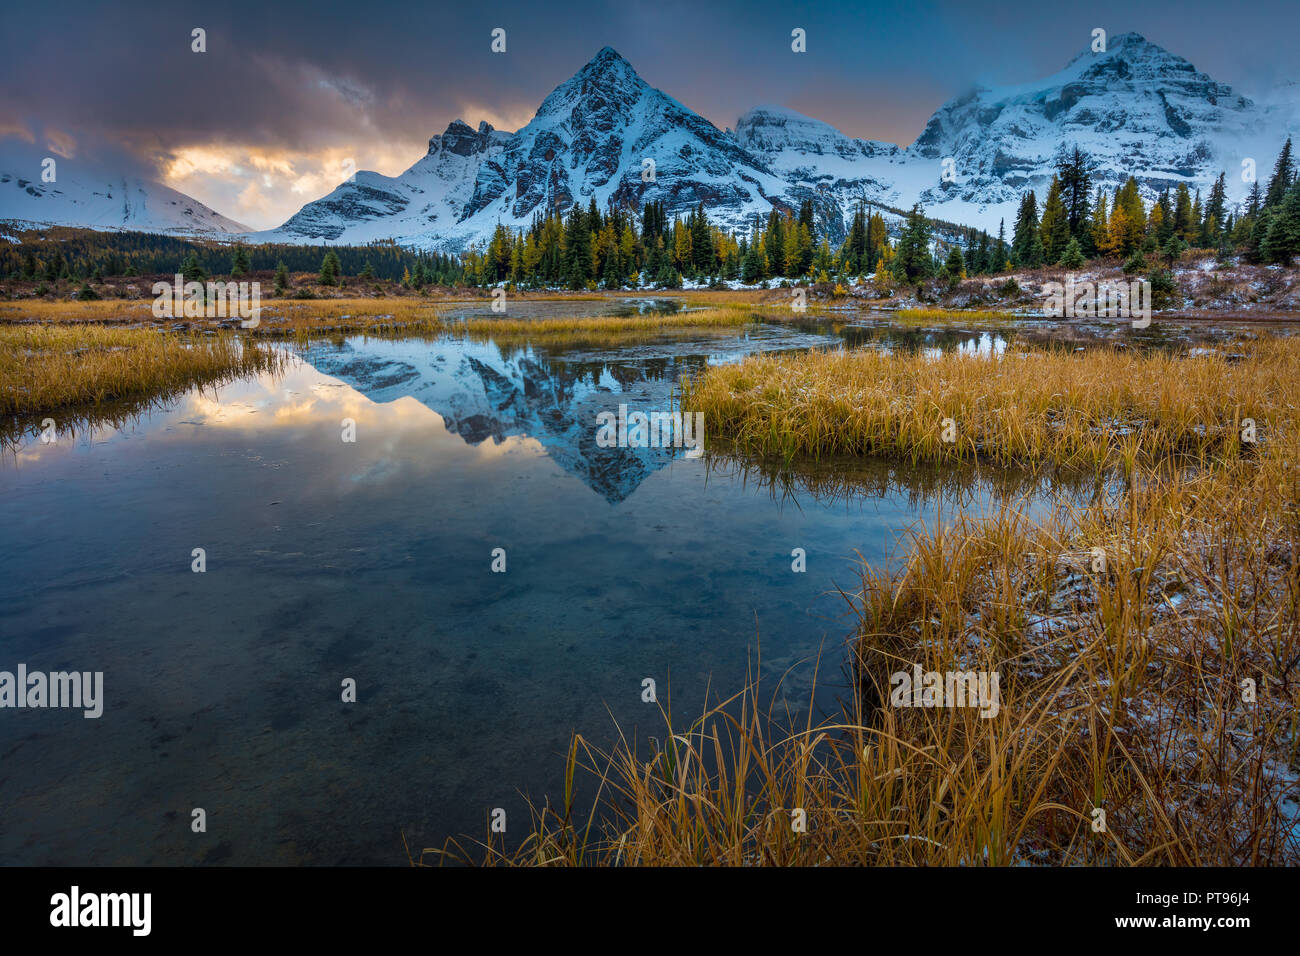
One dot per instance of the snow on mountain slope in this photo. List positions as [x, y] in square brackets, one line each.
[822, 164]
[1135, 109]
[86, 194]
[588, 140]
[427, 199]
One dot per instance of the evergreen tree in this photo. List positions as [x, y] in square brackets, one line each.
[329, 268]
[1072, 258]
[1055, 225]
[751, 268]
[955, 266]
[1282, 242]
[912, 260]
[1074, 170]
[1184, 225]
[191, 271]
[1212, 224]
[701, 242]
[806, 215]
[281, 278]
[1025, 239]
[1283, 174]
[580, 265]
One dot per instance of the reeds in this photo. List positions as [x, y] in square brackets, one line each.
[1147, 641]
[47, 367]
[1146, 708]
[954, 315]
[1090, 410]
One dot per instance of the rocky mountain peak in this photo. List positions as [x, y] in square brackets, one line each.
[462, 139]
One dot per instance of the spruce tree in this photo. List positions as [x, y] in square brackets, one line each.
[191, 271]
[1075, 173]
[1055, 226]
[1282, 242]
[1026, 229]
[1283, 174]
[1072, 258]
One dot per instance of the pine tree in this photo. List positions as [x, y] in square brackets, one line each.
[1072, 258]
[1074, 171]
[240, 262]
[1023, 240]
[281, 278]
[1283, 174]
[1055, 226]
[1282, 242]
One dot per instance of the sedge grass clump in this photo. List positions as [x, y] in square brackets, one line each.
[46, 367]
[1145, 647]
[953, 315]
[1145, 640]
[1031, 406]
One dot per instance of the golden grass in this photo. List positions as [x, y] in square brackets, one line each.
[290, 317]
[694, 319]
[1090, 410]
[1121, 691]
[954, 315]
[1147, 644]
[47, 367]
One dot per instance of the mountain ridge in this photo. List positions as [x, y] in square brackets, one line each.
[1135, 108]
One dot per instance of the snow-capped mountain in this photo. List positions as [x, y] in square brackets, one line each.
[1135, 108]
[87, 194]
[590, 138]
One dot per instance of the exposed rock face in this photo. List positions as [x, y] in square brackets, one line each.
[1135, 109]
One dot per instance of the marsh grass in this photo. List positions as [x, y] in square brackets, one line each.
[954, 316]
[49, 367]
[1030, 406]
[1147, 639]
[297, 319]
[1121, 691]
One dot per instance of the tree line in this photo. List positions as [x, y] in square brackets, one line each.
[585, 248]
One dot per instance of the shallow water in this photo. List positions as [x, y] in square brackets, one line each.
[371, 560]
